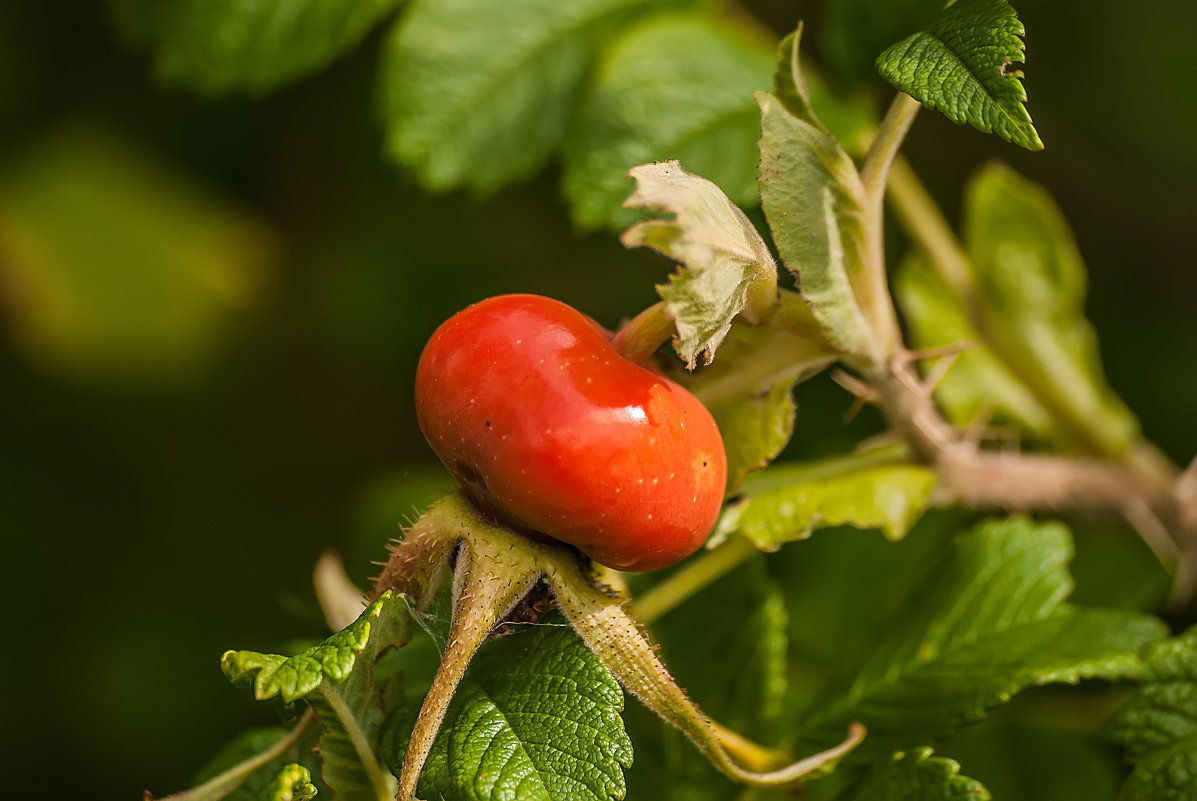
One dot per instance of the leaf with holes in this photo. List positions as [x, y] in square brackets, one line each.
[961, 65]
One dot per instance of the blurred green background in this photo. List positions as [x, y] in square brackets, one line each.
[212, 311]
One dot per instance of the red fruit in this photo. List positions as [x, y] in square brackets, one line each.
[547, 426]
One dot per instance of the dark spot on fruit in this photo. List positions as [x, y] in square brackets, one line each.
[487, 424]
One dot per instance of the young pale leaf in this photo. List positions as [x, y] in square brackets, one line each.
[727, 267]
[478, 94]
[239, 45]
[1030, 281]
[788, 502]
[336, 678]
[979, 387]
[916, 775]
[961, 66]
[293, 783]
[987, 623]
[675, 87]
[1159, 724]
[536, 718]
[814, 201]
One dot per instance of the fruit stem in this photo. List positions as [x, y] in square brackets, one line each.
[638, 339]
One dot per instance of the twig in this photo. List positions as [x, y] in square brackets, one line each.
[1028, 482]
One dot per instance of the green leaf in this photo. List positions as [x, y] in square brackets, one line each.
[675, 87]
[916, 776]
[961, 66]
[788, 502]
[478, 94]
[755, 430]
[336, 678]
[293, 783]
[221, 46]
[1034, 361]
[1031, 284]
[537, 717]
[1158, 725]
[727, 267]
[987, 623]
[127, 269]
[814, 201]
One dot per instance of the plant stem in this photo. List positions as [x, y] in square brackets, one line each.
[221, 785]
[874, 172]
[696, 574]
[873, 175]
[1016, 482]
[380, 778]
[925, 223]
[638, 339]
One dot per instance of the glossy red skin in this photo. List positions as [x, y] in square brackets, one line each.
[545, 424]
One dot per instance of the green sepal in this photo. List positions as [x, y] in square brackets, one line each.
[749, 390]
